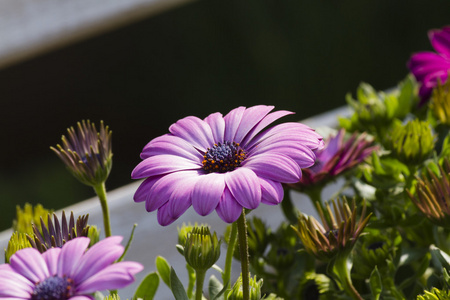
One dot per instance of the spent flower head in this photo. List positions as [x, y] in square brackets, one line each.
[337, 157]
[338, 232]
[428, 67]
[432, 196]
[223, 163]
[202, 249]
[413, 142]
[56, 233]
[87, 152]
[69, 272]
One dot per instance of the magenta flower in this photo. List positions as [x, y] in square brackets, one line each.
[429, 67]
[69, 272]
[223, 163]
[337, 157]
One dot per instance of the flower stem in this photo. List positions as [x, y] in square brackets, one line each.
[200, 278]
[315, 194]
[226, 275]
[288, 208]
[342, 272]
[243, 249]
[100, 190]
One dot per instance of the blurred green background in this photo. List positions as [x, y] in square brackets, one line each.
[199, 58]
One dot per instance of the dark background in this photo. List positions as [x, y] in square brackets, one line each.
[196, 59]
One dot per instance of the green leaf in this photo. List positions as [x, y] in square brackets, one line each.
[214, 288]
[375, 284]
[163, 268]
[440, 257]
[147, 288]
[98, 296]
[177, 287]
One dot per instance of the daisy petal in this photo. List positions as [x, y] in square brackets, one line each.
[217, 124]
[207, 193]
[143, 190]
[113, 277]
[13, 284]
[70, 256]
[171, 145]
[245, 187]
[51, 259]
[301, 154]
[163, 164]
[440, 39]
[29, 263]
[251, 117]
[228, 208]
[276, 167]
[180, 199]
[98, 257]
[232, 121]
[163, 216]
[195, 131]
[272, 191]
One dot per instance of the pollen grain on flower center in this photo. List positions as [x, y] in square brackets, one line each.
[223, 157]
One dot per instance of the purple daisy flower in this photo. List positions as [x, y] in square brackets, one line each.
[69, 272]
[223, 163]
[337, 157]
[429, 67]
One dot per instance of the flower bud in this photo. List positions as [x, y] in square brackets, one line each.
[29, 215]
[440, 102]
[201, 249]
[255, 289]
[17, 242]
[413, 142]
[87, 152]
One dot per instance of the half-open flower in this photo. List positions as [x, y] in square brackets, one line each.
[432, 195]
[337, 157]
[87, 153]
[429, 67]
[69, 272]
[223, 163]
[338, 233]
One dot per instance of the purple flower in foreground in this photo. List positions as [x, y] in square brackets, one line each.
[429, 67]
[69, 272]
[223, 163]
[337, 157]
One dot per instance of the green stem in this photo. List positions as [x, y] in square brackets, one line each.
[100, 190]
[200, 278]
[315, 194]
[243, 249]
[342, 272]
[288, 208]
[226, 275]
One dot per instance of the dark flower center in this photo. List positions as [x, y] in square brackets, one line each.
[53, 288]
[223, 157]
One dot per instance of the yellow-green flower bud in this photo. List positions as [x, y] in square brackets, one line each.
[93, 235]
[201, 249]
[29, 215]
[440, 102]
[413, 142]
[17, 242]
[255, 289]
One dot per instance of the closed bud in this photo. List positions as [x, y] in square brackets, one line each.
[440, 102]
[17, 242]
[412, 143]
[201, 249]
[255, 289]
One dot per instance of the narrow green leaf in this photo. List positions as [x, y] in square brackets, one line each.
[163, 268]
[440, 257]
[375, 284]
[147, 288]
[177, 287]
[128, 244]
